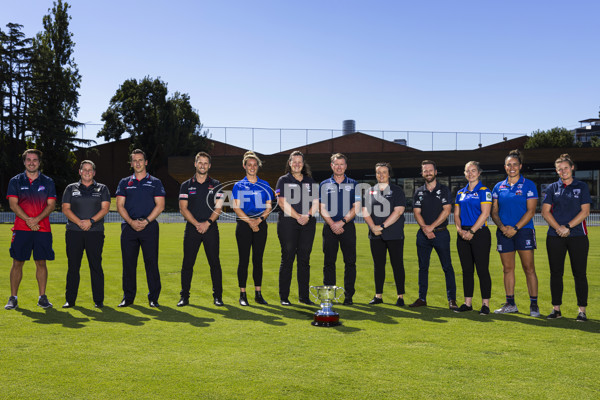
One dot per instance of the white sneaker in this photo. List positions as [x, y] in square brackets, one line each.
[506, 309]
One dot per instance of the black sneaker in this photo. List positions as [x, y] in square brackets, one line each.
[376, 300]
[12, 303]
[68, 304]
[259, 299]
[581, 317]
[218, 302]
[348, 301]
[183, 301]
[400, 302]
[464, 308]
[285, 302]
[485, 310]
[307, 301]
[243, 299]
[43, 302]
[554, 314]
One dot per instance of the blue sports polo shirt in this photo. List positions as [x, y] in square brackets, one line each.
[253, 197]
[566, 201]
[139, 195]
[338, 198]
[470, 203]
[33, 198]
[512, 200]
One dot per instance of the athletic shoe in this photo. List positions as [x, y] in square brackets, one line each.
[12, 303]
[507, 309]
[218, 302]
[534, 310]
[285, 302]
[485, 310]
[581, 317]
[348, 301]
[183, 301]
[452, 305]
[376, 300]
[43, 302]
[307, 301]
[554, 314]
[68, 304]
[259, 299]
[400, 302]
[243, 299]
[464, 308]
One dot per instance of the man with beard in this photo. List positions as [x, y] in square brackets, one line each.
[32, 197]
[200, 203]
[431, 206]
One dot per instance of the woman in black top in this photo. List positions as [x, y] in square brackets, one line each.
[298, 200]
[383, 211]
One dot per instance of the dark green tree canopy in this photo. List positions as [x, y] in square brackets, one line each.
[555, 137]
[160, 125]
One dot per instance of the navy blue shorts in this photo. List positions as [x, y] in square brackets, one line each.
[23, 242]
[523, 240]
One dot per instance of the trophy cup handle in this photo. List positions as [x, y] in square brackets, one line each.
[341, 290]
[313, 294]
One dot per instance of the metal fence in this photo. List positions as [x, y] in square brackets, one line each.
[170, 218]
[274, 140]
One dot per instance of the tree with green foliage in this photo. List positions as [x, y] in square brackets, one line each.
[54, 96]
[162, 126]
[15, 85]
[555, 137]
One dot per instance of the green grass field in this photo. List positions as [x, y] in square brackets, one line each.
[273, 352]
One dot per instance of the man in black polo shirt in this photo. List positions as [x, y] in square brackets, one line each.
[140, 200]
[200, 203]
[431, 206]
[85, 203]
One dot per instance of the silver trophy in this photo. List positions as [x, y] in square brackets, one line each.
[326, 295]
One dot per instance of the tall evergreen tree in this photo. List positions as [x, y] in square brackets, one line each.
[54, 97]
[15, 84]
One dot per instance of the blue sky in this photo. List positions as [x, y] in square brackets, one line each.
[482, 66]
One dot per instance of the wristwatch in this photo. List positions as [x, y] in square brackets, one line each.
[382, 226]
[568, 226]
[92, 220]
[344, 219]
[210, 221]
[262, 218]
[516, 228]
[471, 231]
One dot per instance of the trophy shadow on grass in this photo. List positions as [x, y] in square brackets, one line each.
[241, 314]
[51, 316]
[109, 314]
[169, 314]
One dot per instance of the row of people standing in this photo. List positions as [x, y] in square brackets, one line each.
[140, 199]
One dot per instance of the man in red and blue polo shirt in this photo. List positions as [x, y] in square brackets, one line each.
[32, 197]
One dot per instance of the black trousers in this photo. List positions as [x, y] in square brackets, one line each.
[191, 245]
[578, 248]
[475, 253]
[379, 250]
[296, 241]
[92, 243]
[347, 242]
[248, 240]
[131, 241]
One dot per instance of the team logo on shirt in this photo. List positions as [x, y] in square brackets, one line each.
[576, 193]
[41, 188]
[488, 196]
[519, 193]
[76, 193]
[528, 243]
[530, 193]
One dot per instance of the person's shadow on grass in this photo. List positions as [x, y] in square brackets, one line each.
[242, 314]
[109, 314]
[51, 316]
[169, 314]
